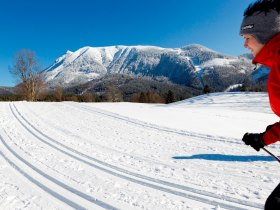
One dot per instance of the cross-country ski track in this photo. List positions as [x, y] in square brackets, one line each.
[79, 156]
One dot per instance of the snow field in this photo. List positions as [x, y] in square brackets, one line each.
[136, 156]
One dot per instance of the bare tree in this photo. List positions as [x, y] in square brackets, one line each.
[113, 94]
[88, 97]
[147, 97]
[58, 92]
[26, 71]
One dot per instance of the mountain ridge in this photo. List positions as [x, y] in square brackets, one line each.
[192, 65]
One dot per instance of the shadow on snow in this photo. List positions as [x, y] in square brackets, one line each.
[220, 157]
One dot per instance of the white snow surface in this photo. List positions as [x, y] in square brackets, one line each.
[233, 87]
[185, 155]
[218, 62]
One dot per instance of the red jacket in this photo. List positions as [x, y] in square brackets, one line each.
[270, 57]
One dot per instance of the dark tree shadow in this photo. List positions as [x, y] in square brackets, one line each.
[220, 157]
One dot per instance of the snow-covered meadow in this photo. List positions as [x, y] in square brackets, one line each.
[185, 155]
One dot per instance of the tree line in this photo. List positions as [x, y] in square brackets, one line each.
[112, 95]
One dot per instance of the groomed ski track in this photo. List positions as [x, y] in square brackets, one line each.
[81, 198]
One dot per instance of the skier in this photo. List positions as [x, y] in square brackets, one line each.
[260, 29]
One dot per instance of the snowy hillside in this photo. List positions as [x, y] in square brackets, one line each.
[192, 65]
[185, 155]
[6, 91]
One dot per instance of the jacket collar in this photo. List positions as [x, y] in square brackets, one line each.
[269, 51]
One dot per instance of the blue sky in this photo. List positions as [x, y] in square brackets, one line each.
[51, 27]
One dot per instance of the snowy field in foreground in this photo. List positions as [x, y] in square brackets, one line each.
[185, 155]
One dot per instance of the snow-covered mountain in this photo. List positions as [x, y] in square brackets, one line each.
[6, 91]
[192, 65]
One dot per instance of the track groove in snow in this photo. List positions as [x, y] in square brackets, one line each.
[153, 126]
[58, 127]
[140, 179]
[52, 179]
[25, 200]
[42, 186]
